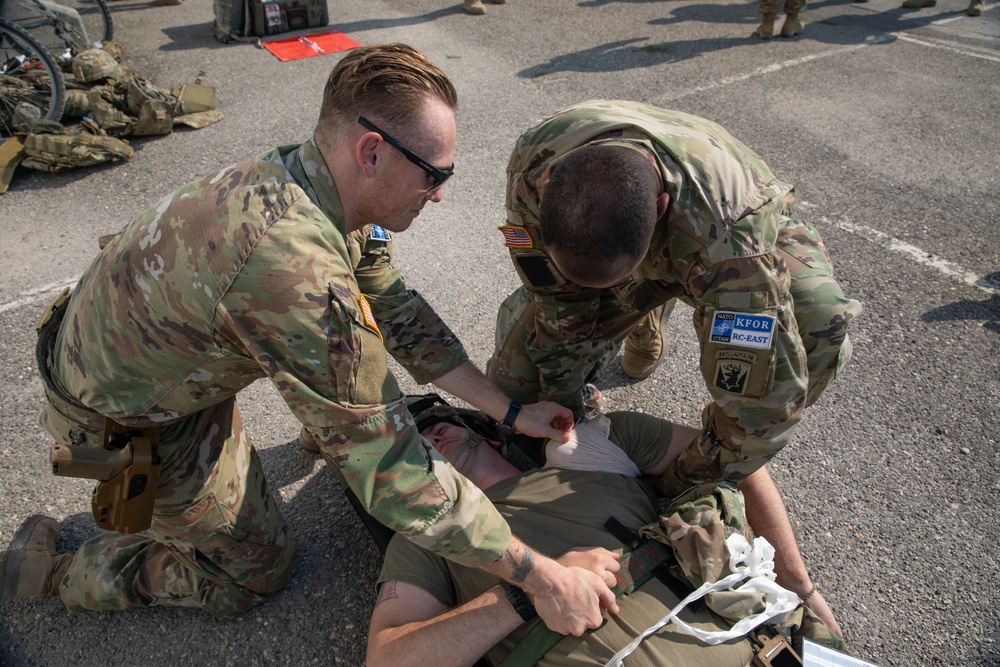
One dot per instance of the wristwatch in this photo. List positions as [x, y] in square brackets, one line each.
[519, 601]
[507, 424]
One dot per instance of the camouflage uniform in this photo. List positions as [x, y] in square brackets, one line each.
[771, 6]
[725, 246]
[245, 275]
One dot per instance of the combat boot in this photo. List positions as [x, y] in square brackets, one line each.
[766, 28]
[307, 442]
[475, 7]
[792, 25]
[917, 4]
[32, 568]
[976, 8]
[645, 346]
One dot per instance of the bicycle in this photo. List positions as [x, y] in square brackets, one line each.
[31, 82]
[66, 27]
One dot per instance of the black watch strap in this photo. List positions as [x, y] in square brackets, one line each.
[507, 425]
[519, 601]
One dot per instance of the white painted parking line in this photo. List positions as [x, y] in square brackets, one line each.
[871, 41]
[943, 266]
[776, 67]
[945, 47]
[33, 295]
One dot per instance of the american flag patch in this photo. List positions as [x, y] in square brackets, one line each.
[516, 237]
[366, 312]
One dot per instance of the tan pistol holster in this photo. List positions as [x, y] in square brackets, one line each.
[127, 468]
[125, 463]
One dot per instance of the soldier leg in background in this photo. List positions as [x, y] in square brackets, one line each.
[646, 344]
[475, 7]
[976, 8]
[792, 25]
[217, 540]
[822, 311]
[768, 9]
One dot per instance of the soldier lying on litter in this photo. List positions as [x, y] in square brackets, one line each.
[593, 491]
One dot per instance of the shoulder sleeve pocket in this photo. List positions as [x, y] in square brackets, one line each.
[355, 353]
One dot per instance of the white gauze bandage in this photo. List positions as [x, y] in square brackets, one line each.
[589, 449]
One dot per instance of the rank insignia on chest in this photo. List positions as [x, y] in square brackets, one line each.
[366, 313]
[516, 237]
[379, 233]
[742, 329]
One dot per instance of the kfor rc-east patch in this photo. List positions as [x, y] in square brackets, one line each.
[742, 329]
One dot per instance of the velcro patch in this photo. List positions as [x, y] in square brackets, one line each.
[742, 329]
[536, 270]
[379, 233]
[516, 237]
[366, 312]
[732, 370]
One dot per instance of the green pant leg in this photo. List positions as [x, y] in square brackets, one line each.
[771, 6]
[218, 540]
[509, 368]
[513, 371]
[516, 374]
[822, 312]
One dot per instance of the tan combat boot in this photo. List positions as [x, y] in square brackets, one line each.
[766, 28]
[307, 442]
[976, 8]
[917, 4]
[475, 7]
[32, 568]
[792, 25]
[645, 346]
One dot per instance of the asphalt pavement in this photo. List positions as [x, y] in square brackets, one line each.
[885, 119]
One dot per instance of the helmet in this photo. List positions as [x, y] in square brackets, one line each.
[94, 65]
[430, 409]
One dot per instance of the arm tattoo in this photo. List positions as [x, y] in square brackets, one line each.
[386, 592]
[520, 570]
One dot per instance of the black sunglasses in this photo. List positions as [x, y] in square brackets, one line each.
[438, 176]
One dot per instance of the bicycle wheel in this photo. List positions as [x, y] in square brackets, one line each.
[31, 83]
[65, 27]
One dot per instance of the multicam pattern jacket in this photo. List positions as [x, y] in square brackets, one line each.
[250, 274]
[714, 249]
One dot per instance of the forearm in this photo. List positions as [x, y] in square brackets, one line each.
[540, 420]
[469, 384]
[568, 599]
[769, 519]
[457, 637]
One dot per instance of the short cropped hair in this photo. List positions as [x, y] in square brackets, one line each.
[599, 207]
[387, 83]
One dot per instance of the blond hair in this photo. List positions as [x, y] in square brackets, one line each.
[387, 83]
